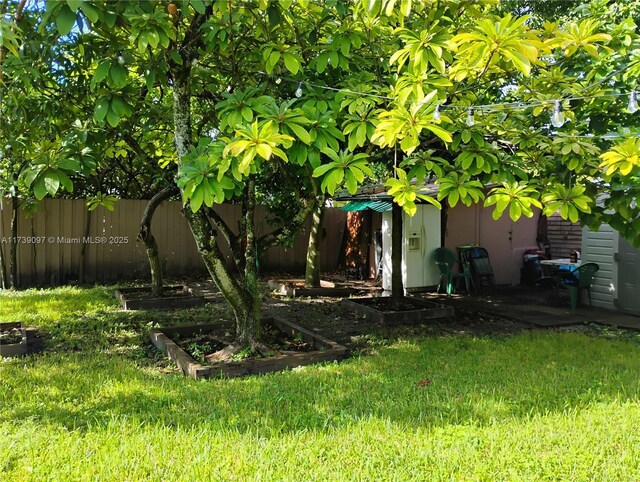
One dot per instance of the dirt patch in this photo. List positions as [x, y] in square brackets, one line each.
[213, 346]
[330, 318]
[9, 336]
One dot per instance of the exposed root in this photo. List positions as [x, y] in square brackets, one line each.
[236, 352]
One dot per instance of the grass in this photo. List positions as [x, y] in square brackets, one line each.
[533, 406]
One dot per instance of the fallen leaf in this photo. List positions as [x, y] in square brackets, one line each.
[424, 382]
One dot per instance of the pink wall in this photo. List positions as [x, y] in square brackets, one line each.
[504, 240]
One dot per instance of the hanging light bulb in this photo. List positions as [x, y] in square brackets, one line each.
[436, 113]
[299, 90]
[557, 119]
[470, 119]
[633, 102]
[120, 58]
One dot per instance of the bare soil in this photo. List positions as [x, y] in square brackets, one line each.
[10, 336]
[331, 319]
[217, 346]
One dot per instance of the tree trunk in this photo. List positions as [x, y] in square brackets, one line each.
[229, 286]
[249, 329]
[146, 236]
[243, 299]
[312, 272]
[13, 250]
[397, 287]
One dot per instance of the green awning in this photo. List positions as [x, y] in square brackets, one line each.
[379, 206]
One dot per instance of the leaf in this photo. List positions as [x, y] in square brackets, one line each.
[118, 75]
[102, 71]
[74, 4]
[39, 189]
[112, 118]
[198, 6]
[101, 108]
[197, 198]
[291, 63]
[65, 20]
[51, 182]
[300, 132]
[90, 12]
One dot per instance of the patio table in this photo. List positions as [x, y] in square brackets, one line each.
[555, 267]
[560, 262]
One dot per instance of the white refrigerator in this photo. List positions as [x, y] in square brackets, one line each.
[421, 234]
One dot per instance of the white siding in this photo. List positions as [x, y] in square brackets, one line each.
[599, 247]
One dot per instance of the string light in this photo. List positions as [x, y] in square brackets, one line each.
[436, 113]
[120, 58]
[299, 90]
[557, 118]
[633, 102]
[470, 119]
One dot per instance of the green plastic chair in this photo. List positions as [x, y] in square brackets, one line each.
[577, 279]
[446, 260]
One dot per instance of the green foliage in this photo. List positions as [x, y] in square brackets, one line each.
[622, 158]
[496, 43]
[569, 202]
[405, 193]
[257, 140]
[205, 176]
[518, 197]
[406, 125]
[50, 170]
[344, 167]
[100, 199]
[456, 187]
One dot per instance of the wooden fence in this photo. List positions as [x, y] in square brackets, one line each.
[62, 242]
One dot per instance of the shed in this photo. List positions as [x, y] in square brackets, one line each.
[616, 285]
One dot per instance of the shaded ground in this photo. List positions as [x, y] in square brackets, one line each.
[330, 318]
[502, 311]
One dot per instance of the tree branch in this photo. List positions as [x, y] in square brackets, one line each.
[283, 233]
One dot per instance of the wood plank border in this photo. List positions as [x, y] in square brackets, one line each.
[326, 350]
[428, 311]
[189, 300]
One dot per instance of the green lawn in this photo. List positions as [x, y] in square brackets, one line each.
[538, 405]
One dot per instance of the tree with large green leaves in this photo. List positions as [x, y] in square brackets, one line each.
[304, 90]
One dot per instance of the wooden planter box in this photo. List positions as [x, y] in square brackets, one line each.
[424, 310]
[14, 349]
[325, 350]
[185, 300]
[295, 288]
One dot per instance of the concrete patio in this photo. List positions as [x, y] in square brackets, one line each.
[539, 307]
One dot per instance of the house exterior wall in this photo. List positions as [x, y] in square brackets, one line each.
[504, 239]
[599, 247]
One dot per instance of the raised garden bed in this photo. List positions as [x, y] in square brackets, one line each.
[174, 297]
[410, 310]
[13, 339]
[315, 349]
[295, 288]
